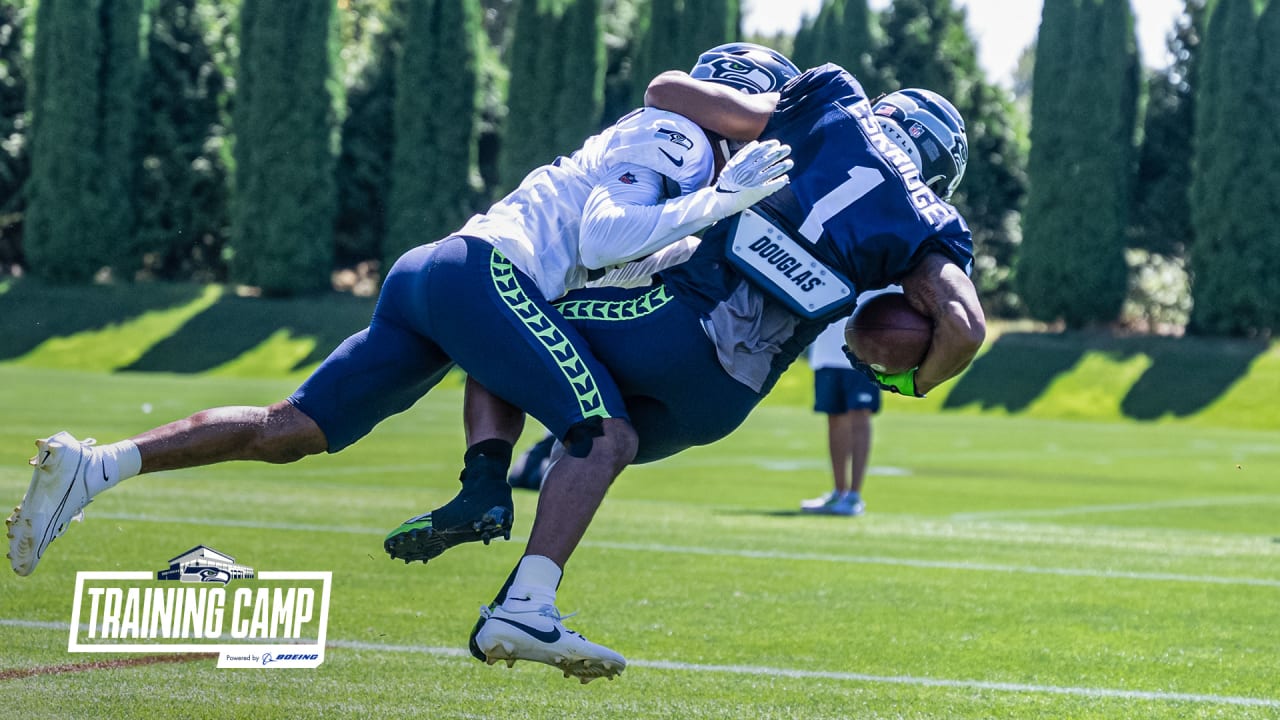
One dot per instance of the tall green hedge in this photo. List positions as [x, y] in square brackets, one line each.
[1083, 114]
[79, 217]
[282, 218]
[435, 138]
[556, 91]
[1235, 289]
[182, 225]
[15, 164]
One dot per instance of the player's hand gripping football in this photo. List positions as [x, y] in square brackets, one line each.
[754, 173]
[903, 383]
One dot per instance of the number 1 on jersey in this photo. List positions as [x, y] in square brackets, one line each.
[862, 180]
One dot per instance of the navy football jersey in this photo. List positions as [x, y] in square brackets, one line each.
[855, 202]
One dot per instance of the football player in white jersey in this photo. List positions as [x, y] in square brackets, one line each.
[481, 299]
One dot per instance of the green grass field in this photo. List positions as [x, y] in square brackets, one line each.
[1008, 567]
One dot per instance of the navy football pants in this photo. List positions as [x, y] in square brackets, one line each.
[457, 301]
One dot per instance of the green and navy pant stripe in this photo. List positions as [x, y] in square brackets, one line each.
[458, 301]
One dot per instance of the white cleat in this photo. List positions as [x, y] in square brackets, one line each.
[538, 634]
[56, 496]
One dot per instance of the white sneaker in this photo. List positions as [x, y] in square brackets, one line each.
[819, 502]
[538, 634]
[56, 496]
[850, 505]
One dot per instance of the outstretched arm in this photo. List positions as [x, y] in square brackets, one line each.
[939, 289]
[718, 108]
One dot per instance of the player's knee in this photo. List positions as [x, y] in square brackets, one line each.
[612, 441]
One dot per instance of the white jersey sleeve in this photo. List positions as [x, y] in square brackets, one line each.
[639, 273]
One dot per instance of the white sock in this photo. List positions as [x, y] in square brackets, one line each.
[535, 583]
[120, 461]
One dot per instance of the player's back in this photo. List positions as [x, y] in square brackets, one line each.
[537, 225]
[855, 203]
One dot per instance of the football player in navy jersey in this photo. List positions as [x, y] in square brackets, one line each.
[481, 299]
[865, 209]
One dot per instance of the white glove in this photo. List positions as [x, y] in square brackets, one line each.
[754, 173]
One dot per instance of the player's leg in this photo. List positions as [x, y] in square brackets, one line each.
[374, 373]
[517, 347]
[678, 395]
[482, 510]
[514, 343]
[848, 400]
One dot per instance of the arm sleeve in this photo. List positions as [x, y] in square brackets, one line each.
[639, 273]
[624, 221]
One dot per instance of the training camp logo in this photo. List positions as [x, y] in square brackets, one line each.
[205, 602]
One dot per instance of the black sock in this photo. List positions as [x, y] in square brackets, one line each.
[495, 450]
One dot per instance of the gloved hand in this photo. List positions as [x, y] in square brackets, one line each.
[754, 173]
[903, 383]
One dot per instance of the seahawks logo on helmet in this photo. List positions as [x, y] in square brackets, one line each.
[747, 67]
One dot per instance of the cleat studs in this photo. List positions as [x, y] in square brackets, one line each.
[511, 662]
[407, 561]
[490, 660]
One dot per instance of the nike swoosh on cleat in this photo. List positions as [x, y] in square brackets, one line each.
[546, 636]
[677, 163]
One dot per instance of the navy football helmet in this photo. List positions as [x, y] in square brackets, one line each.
[930, 130]
[747, 67]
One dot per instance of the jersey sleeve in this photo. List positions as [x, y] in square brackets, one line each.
[669, 144]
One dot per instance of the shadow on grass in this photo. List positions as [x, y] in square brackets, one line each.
[1015, 371]
[236, 325]
[32, 311]
[744, 512]
[1185, 376]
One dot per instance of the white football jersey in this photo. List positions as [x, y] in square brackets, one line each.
[537, 225]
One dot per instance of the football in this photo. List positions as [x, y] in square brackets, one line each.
[888, 334]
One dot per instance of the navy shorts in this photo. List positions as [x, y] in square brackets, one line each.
[654, 347]
[838, 390]
[458, 301]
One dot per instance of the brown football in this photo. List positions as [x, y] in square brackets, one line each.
[888, 334]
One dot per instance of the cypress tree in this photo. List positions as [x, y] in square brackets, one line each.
[120, 21]
[576, 109]
[368, 136]
[1042, 272]
[1267, 166]
[83, 138]
[435, 139]
[182, 226]
[678, 31]
[1103, 89]
[803, 52]
[282, 232]
[1162, 219]
[841, 33]
[528, 131]
[15, 165]
[927, 45]
[1230, 286]
[660, 48]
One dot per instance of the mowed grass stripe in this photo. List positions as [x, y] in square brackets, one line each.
[754, 554]
[777, 672]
